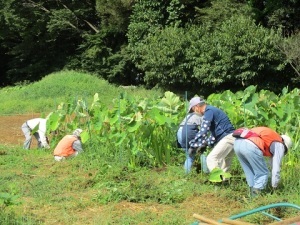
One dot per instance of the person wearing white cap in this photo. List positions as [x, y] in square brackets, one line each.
[39, 126]
[251, 151]
[215, 131]
[69, 146]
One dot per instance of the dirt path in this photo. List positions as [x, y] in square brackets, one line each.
[10, 129]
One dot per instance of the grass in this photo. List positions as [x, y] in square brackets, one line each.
[97, 188]
[81, 191]
[45, 95]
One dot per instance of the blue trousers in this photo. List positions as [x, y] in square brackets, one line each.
[253, 163]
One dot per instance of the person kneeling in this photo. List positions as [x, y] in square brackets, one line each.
[69, 146]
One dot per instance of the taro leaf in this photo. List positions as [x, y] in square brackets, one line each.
[114, 119]
[227, 96]
[160, 119]
[35, 129]
[123, 105]
[119, 140]
[84, 136]
[143, 105]
[272, 124]
[53, 121]
[138, 116]
[285, 90]
[170, 101]
[264, 114]
[216, 173]
[248, 92]
[95, 101]
[278, 111]
[133, 126]
[98, 125]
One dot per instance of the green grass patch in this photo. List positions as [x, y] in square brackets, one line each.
[65, 86]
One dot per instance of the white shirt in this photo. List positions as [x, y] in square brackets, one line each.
[277, 149]
[41, 123]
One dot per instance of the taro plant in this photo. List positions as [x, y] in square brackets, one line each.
[141, 131]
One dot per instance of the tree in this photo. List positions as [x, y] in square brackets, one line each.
[290, 47]
[41, 35]
[283, 14]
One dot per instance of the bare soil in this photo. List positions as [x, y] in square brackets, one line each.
[10, 129]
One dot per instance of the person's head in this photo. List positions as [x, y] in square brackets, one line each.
[197, 105]
[287, 141]
[77, 132]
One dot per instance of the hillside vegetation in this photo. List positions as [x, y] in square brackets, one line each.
[66, 86]
[130, 171]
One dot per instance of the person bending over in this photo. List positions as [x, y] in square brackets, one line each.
[69, 146]
[39, 126]
[216, 132]
[250, 151]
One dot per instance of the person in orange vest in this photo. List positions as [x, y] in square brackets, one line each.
[251, 150]
[69, 146]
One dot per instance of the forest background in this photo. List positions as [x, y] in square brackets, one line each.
[216, 48]
[173, 44]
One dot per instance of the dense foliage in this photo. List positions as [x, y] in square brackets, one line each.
[130, 167]
[173, 44]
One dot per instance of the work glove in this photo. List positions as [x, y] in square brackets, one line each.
[192, 151]
[201, 149]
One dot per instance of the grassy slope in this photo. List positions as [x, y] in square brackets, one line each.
[82, 191]
[46, 94]
[71, 192]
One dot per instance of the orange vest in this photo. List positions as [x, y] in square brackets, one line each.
[64, 147]
[266, 137]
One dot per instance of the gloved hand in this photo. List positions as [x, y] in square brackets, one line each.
[201, 149]
[192, 151]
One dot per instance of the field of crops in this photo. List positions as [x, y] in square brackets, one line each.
[131, 172]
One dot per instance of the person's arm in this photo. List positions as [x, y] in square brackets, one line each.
[201, 137]
[277, 150]
[77, 146]
[42, 133]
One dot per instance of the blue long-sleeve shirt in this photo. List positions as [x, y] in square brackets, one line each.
[214, 127]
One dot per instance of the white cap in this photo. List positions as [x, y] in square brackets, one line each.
[287, 141]
[195, 101]
[77, 132]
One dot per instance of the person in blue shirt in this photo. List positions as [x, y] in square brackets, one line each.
[187, 130]
[216, 132]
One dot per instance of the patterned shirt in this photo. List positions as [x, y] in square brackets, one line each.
[214, 127]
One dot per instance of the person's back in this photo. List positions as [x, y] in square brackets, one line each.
[64, 147]
[38, 125]
[189, 127]
[68, 146]
[216, 132]
[220, 125]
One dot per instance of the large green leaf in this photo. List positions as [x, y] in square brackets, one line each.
[84, 136]
[216, 173]
[53, 121]
[133, 126]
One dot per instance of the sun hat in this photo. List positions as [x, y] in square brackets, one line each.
[287, 141]
[77, 132]
[195, 101]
